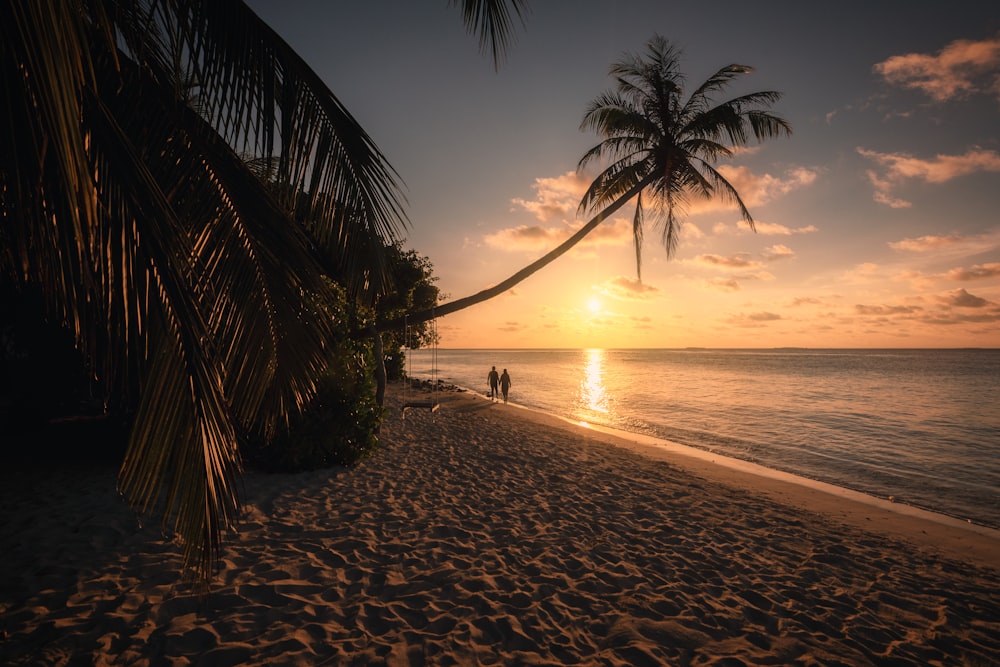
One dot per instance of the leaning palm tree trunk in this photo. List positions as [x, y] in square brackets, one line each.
[520, 276]
[654, 139]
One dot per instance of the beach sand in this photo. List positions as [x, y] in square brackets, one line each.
[487, 534]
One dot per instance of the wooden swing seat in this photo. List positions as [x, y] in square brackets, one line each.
[424, 405]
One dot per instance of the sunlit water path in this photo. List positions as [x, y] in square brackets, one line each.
[920, 425]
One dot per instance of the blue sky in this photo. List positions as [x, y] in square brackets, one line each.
[878, 220]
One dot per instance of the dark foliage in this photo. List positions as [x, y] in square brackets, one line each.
[336, 429]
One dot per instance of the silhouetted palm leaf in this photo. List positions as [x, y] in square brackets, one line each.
[493, 21]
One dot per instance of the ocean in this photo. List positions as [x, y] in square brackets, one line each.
[920, 425]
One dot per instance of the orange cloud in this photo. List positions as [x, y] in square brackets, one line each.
[753, 320]
[962, 68]
[777, 252]
[511, 327]
[955, 245]
[976, 272]
[736, 262]
[754, 189]
[555, 198]
[941, 169]
[627, 289]
[926, 243]
[863, 309]
[963, 299]
[774, 229]
[525, 238]
[898, 168]
[762, 228]
[725, 284]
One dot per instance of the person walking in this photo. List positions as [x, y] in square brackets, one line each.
[494, 379]
[505, 385]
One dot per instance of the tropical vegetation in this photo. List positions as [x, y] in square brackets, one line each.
[180, 187]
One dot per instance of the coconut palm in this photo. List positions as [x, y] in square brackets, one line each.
[658, 144]
[126, 196]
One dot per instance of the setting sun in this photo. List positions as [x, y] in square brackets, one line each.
[594, 306]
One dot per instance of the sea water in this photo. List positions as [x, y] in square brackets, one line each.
[922, 426]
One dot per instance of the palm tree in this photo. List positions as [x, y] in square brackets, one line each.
[658, 144]
[125, 196]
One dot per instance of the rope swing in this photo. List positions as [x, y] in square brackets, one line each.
[432, 403]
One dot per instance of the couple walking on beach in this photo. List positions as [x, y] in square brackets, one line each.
[495, 380]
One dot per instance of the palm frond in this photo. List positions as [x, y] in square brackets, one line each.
[637, 235]
[700, 99]
[494, 22]
[715, 184]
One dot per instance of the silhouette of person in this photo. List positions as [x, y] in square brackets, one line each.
[494, 380]
[504, 384]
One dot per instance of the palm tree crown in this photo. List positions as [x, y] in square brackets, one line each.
[665, 147]
[657, 143]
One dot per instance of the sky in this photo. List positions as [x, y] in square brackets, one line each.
[877, 221]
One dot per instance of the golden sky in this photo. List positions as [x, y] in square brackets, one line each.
[878, 222]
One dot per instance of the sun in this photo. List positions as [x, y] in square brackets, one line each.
[594, 306]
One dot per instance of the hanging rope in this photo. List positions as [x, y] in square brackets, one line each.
[431, 404]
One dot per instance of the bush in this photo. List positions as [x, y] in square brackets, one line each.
[338, 427]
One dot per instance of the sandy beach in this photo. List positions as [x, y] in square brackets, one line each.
[485, 534]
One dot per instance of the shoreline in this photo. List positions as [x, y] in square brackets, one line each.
[951, 536]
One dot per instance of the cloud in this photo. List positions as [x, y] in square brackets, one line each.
[954, 308]
[948, 317]
[957, 246]
[627, 289]
[691, 231]
[940, 169]
[926, 243]
[961, 69]
[754, 189]
[774, 229]
[777, 252]
[862, 272]
[863, 309]
[532, 238]
[962, 299]
[725, 284]
[762, 228]
[736, 262]
[900, 168]
[753, 320]
[976, 272]
[555, 198]
[882, 188]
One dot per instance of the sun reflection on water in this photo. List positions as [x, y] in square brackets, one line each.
[593, 395]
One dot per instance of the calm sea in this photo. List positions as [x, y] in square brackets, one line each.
[920, 425]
